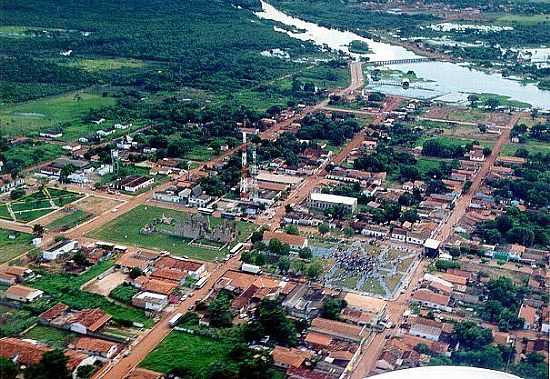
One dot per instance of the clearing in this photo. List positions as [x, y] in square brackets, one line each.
[13, 244]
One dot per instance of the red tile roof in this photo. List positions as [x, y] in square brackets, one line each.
[178, 264]
[54, 312]
[336, 328]
[289, 239]
[92, 319]
[431, 297]
[26, 352]
[95, 345]
[289, 357]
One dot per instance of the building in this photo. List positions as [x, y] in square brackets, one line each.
[326, 201]
[150, 301]
[59, 249]
[87, 321]
[284, 357]
[304, 302]
[135, 183]
[14, 274]
[372, 308]
[431, 299]
[338, 330]
[295, 242]
[173, 195]
[288, 180]
[426, 328]
[96, 346]
[22, 352]
[7, 183]
[162, 287]
[376, 231]
[529, 315]
[23, 294]
[194, 269]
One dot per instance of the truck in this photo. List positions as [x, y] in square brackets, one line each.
[174, 319]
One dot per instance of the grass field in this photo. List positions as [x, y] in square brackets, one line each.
[12, 248]
[69, 220]
[531, 146]
[66, 289]
[30, 117]
[56, 338]
[186, 350]
[524, 19]
[126, 229]
[33, 153]
[105, 64]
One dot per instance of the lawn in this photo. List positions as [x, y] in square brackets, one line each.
[56, 338]
[12, 248]
[105, 64]
[524, 19]
[531, 146]
[124, 293]
[65, 288]
[70, 220]
[68, 109]
[195, 352]
[126, 230]
[38, 204]
[373, 286]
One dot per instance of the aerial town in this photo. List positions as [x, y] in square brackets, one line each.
[348, 231]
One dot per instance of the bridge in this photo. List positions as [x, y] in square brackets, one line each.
[400, 61]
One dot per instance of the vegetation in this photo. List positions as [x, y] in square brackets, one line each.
[503, 302]
[124, 293]
[12, 247]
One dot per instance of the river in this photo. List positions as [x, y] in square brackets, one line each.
[445, 81]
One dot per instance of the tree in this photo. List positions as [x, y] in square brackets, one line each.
[219, 370]
[492, 103]
[135, 272]
[487, 151]
[283, 264]
[257, 236]
[348, 231]
[38, 230]
[332, 308]
[80, 259]
[314, 269]
[8, 369]
[471, 336]
[292, 229]
[52, 365]
[278, 248]
[422, 348]
[17, 193]
[522, 235]
[219, 311]
[85, 372]
[466, 186]
[180, 372]
[323, 228]
[275, 323]
[305, 253]
[67, 170]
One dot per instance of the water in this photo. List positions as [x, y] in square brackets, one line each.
[450, 81]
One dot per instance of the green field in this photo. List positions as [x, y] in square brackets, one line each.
[70, 220]
[126, 229]
[105, 64]
[38, 204]
[33, 116]
[56, 338]
[12, 248]
[65, 288]
[186, 350]
[530, 146]
[33, 153]
[524, 19]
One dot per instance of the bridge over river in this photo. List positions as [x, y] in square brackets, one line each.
[400, 61]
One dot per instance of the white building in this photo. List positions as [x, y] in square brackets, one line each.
[150, 301]
[59, 249]
[326, 201]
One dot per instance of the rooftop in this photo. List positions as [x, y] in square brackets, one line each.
[336, 199]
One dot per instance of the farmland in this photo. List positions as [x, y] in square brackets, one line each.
[70, 219]
[56, 338]
[126, 229]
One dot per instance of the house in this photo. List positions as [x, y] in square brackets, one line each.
[154, 285]
[372, 307]
[87, 321]
[53, 313]
[545, 324]
[431, 299]
[61, 248]
[529, 315]
[96, 346]
[169, 275]
[7, 183]
[192, 268]
[459, 283]
[284, 357]
[139, 259]
[295, 242]
[23, 294]
[511, 161]
[399, 234]
[338, 330]
[304, 302]
[173, 195]
[426, 328]
[376, 231]
[135, 183]
[22, 352]
[51, 133]
[14, 274]
[142, 373]
[476, 155]
[327, 201]
[150, 301]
